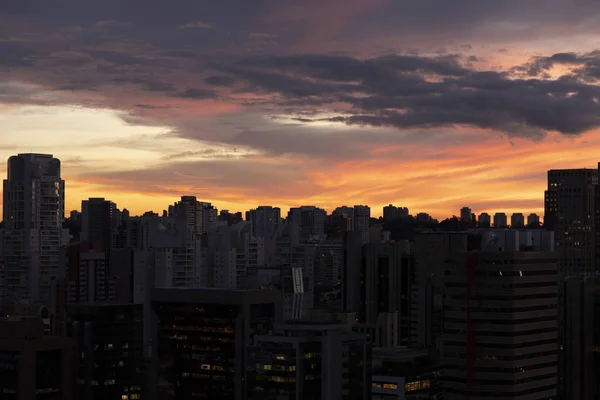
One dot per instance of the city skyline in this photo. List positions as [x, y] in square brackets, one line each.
[284, 103]
[375, 212]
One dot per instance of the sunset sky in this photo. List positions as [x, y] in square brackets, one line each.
[428, 104]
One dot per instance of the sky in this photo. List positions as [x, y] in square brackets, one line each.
[427, 104]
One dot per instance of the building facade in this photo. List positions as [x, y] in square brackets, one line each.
[500, 325]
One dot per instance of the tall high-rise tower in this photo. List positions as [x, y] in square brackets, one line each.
[34, 208]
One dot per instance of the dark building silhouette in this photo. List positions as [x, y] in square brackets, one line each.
[406, 374]
[500, 325]
[581, 332]
[309, 360]
[109, 347]
[33, 366]
[202, 336]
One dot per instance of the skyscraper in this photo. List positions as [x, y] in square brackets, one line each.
[500, 325]
[306, 223]
[362, 221]
[569, 211]
[33, 207]
[96, 221]
[264, 221]
[465, 214]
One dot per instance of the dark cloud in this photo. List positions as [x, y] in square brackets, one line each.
[419, 92]
[195, 93]
[586, 66]
[219, 80]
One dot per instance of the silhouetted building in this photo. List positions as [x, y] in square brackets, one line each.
[97, 222]
[581, 332]
[500, 325]
[405, 374]
[392, 213]
[310, 360]
[484, 220]
[362, 221]
[264, 221]
[517, 220]
[465, 215]
[386, 275]
[533, 220]
[430, 252]
[202, 336]
[500, 220]
[34, 366]
[32, 234]
[109, 345]
[306, 223]
[569, 211]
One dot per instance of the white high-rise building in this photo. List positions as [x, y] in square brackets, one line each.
[33, 213]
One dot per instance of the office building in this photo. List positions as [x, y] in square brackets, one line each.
[402, 373]
[517, 221]
[484, 220]
[97, 221]
[500, 324]
[108, 339]
[264, 221]
[581, 332]
[32, 365]
[87, 274]
[306, 223]
[500, 220]
[201, 339]
[309, 360]
[386, 276]
[569, 211]
[33, 214]
[430, 251]
[362, 221]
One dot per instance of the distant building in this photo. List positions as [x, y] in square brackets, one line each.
[500, 220]
[392, 213]
[517, 220]
[34, 366]
[306, 223]
[264, 221]
[465, 215]
[310, 360]
[201, 337]
[97, 221]
[484, 220]
[362, 221]
[533, 220]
